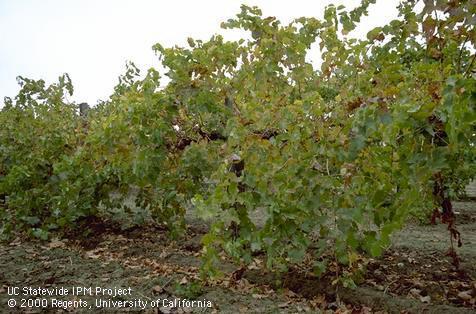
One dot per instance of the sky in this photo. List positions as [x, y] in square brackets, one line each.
[91, 40]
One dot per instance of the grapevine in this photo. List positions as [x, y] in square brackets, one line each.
[334, 159]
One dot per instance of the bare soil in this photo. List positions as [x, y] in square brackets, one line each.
[413, 276]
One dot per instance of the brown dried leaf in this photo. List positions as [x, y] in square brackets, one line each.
[157, 289]
[415, 293]
[184, 281]
[91, 254]
[283, 305]
[464, 295]
[258, 296]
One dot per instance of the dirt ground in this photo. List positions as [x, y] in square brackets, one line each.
[413, 276]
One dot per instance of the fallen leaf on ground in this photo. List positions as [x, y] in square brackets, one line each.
[55, 243]
[464, 295]
[415, 293]
[258, 296]
[91, 254]
[283, 305]
[158, 289]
